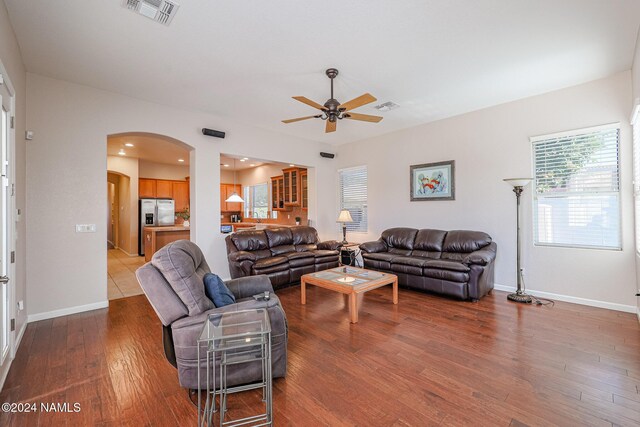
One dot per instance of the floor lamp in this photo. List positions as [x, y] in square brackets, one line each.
[518, 186]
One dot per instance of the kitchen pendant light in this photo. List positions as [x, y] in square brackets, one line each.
[234, 197]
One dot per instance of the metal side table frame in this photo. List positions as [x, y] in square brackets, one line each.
[238, 337]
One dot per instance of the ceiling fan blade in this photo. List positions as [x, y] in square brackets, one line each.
[357, 102]
[298, 119]
[331, 127]
[308, 102]
[363, 117]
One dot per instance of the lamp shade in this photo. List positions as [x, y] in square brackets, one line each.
[345, 216]
[518, 182]
[234, 198]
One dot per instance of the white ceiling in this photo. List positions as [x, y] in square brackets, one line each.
[245, 59]
[154, 148]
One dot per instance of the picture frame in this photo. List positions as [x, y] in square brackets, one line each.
[432, 181]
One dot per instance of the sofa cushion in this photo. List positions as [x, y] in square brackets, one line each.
[183, 266]
[465, 241]
[270, 265]
[324, 255]
[306, 247]
[279, 236]
[304, 235]
[299, 259]
[282, 249]
[407, 260]
[250, 240]
[400, 238]
[380, 256]
[217, 291]
[452, 276]
[271, 261]
[447, 265]
[428, 243]
[407, 269]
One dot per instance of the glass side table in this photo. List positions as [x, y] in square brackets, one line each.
[229, 339]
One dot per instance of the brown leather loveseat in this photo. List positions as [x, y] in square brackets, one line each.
[284, 254]
[456, 263]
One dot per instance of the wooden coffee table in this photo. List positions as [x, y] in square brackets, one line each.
[351, 281]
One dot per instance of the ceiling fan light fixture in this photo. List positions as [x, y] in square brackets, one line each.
[333, 110]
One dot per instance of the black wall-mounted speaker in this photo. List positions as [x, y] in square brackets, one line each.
[327, 155]
[211, 132]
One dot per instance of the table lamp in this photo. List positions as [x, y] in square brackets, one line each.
[344, 217]
[518, 186]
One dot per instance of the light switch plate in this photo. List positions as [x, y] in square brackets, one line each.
[85, 228]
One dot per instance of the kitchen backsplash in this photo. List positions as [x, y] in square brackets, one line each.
[286, 218]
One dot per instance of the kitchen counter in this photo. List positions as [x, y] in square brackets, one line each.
[238, 226]
[157, 237]
[168, 228]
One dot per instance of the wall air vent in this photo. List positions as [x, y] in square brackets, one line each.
[386, 106]
[161, 11]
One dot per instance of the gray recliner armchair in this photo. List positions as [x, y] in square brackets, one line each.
[173, 283]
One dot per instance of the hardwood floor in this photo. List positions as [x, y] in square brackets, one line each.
[426, 361]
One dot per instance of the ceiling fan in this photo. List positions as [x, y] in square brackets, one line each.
[332, 110]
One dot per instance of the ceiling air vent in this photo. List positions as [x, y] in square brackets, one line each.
[386, 106]
[161, 11]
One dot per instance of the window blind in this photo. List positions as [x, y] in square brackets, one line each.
[577, 188]
[352, 186]
[635, 122]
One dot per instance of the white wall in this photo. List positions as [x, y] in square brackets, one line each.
[11, 61]
[488, 146]
[154, 170]
[128, 193]
[69, 118]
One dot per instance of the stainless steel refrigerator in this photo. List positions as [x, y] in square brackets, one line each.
[154, 212]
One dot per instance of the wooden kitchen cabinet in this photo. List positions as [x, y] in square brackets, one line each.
[304, 191]
[226, 190]
[180, 191]
[292, 186]
[277, 194]
[164, 189]
[146, 188]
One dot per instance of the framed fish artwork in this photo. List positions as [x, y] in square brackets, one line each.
[433, 181]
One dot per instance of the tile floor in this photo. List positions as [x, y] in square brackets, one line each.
[121, 278]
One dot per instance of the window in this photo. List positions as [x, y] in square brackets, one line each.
[635, 121]
[352, 187]
[256, 201]
[577, 190]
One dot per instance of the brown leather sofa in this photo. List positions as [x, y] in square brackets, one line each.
[283, 254]
[456, 263]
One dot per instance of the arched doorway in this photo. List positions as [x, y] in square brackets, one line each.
[143, 169]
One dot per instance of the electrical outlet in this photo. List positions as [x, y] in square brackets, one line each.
[21, 305]
[522, 271]
[85, 228]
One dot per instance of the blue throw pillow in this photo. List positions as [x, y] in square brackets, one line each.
[217, 291]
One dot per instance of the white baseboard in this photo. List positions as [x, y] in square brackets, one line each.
[67, 311]
[575, 300]
[126, 253]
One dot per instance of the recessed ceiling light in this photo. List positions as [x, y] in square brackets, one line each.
[243, 160]
[128, 144]
[225, 165]
[291, 165]
[252, 164]
[181, 160]
[121, 152]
